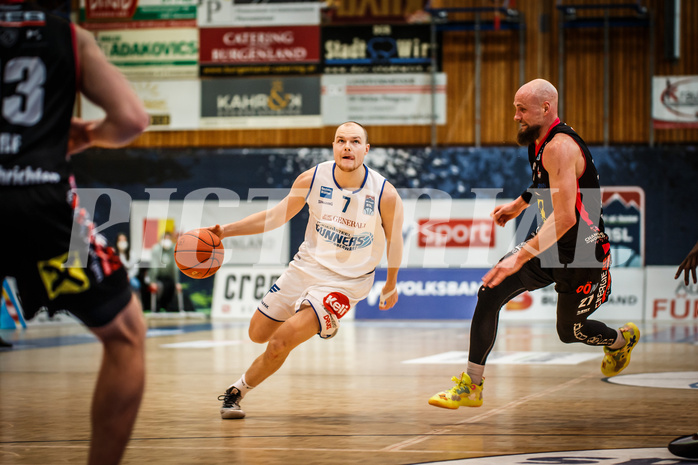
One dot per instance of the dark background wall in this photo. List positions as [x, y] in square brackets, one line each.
[668, 175]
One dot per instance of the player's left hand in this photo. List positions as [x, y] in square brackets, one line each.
[79, 135]
[688, 267]
[501, 270]
[387, 299]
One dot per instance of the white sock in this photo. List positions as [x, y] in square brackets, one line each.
[475, 372]
[242, 386]
[620, 341]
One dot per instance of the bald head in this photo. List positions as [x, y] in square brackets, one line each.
[538, 92]
[536, 109]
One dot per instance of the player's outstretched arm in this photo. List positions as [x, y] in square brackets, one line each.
[272, 218]
[104, 85]
[688, 265]
[392, 215]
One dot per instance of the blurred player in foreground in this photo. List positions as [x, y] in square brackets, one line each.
[45, 61]
[355, 215]
[569, 248]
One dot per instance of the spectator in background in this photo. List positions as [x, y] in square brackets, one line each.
[130, 263]
[163, 274]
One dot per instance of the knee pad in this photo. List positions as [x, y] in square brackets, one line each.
[570, 333]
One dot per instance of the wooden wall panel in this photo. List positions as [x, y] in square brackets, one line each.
[583, 86]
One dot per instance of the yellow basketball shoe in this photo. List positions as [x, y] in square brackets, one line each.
[464, 393]
[615, 361]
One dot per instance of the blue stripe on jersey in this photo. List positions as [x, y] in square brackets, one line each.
[311, 184]
[380, 197]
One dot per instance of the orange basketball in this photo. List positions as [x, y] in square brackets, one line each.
[199, 253]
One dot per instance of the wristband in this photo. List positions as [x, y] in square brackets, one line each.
[526, 196]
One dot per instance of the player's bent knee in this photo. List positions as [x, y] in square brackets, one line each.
[490, 297]
[277, 347]
[257, 336]
[567, 334]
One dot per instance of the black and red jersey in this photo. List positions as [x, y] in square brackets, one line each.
[38, 72]
[588, 231]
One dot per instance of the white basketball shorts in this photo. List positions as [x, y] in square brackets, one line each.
[330, 294]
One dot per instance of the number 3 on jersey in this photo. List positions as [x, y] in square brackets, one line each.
[26, 106]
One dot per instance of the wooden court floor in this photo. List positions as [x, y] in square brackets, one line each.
[349, 400]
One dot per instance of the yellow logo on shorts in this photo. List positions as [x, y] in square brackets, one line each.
[63, 275]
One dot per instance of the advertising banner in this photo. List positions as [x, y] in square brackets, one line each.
[669, 299]
[624, 222]
[377, 11]
[283, 102]
[259, 50]
[149, 219]
[237, 290]
[152, 53]
[426, 294]
[217, 13]
[626, 302]
[442, 233]
[172, 105]
[675, 102]
[382, 99]
[137, 10]
[381, 48]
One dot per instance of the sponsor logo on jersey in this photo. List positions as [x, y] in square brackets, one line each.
[328, 322]
[9, 37]
[325, 192]
[336, 303]
[34, 35]
[10, 143]
[25, 176]
[369, 205]
[63, 274]
[20, 18]
[342, 239]
[342, 220]
[274, 288]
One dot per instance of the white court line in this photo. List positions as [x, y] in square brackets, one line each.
[258, 449]
[397, 446]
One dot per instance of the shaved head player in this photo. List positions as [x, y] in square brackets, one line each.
[569, 248]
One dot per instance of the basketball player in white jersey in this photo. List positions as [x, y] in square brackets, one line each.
[355, 215]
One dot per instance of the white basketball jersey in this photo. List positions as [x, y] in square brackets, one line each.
[344, 232]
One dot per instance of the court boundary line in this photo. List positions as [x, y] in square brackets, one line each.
[513, 404]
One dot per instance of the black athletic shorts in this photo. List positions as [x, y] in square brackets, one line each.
[580, 290]
[84, 277]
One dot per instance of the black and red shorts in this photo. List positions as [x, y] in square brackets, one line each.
[48, 244]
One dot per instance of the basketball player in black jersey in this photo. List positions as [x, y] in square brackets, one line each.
[44, 61]
[569, 248]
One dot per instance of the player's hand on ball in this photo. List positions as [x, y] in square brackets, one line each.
[217, 230]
